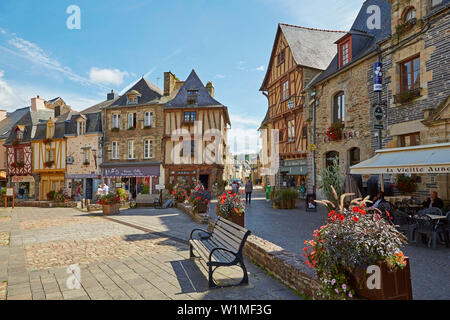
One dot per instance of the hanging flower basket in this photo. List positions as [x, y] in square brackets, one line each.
[334, 132]
[49, 164]
[47, 141]
[17, 165]
[15, 143]
[405, 184]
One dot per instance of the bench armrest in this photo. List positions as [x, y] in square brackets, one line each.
[202, 230]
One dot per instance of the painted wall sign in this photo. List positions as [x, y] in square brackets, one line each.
[22, 179]
[131, 171]
[377, 77]
[345, 135]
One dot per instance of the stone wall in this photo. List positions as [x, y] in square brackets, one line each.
[202, 218]
[75, 147]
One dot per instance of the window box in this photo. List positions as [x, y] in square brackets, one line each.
[47, 141]
[115, 129]
[334, 132]
[17, 164]
[147, 127]
[407, 95]
[49, 164]
[86, 163]
[15, 143]
[131, 128]
[406, 26]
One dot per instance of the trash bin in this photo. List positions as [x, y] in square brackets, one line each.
[311, 205]
[268, 189]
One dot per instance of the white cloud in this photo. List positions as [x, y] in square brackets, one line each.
[3, 31]
[243, 137]
[220, 76]
[9, 97]
[107, 76]
[260, 68]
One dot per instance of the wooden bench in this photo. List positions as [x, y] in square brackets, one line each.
[221, 247]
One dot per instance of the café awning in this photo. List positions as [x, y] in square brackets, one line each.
[433, 158]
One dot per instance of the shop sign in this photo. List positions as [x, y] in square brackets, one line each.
[132, 172]
[22, 179]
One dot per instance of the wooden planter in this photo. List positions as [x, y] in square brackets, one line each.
[287, 204]
[202, 208]
[395, 285]
[109, 209]
[239, 220]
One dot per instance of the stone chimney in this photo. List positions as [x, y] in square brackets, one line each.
[210, 89]
[3, 114]
[37, 104]
[110, 96]
[169, 83]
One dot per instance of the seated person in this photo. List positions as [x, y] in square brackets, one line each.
[379, 198]
[434, 201]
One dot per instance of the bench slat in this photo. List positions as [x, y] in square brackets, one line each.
[233, 224]
[238, 233]
[225, 256]
[228, 233]
[204, 249]
[218, 233]
[223, 244]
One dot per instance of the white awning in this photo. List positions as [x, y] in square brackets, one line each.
[433, 158]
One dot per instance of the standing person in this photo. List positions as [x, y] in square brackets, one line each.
[248, 191]
[105, 189]
[234, 187]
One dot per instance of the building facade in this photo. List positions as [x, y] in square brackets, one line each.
[195, 132]
[298, 55]
[133, 151]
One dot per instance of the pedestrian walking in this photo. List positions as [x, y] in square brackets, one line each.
[248, 191]
[234, 187]
[105, 189]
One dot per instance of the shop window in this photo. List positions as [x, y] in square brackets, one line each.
[330, 157]
[354, 155]
[409, 140]
[339, 107]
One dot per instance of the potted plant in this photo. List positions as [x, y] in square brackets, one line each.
[355, 246]
[48, 164]
[51, 195]
[231, 207]
[334, 132]
[405, 184]
[199, 200]
[110, 203]
[180, 193]
[283, 198]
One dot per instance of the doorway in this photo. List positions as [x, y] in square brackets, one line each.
[89, 185]
[204, 180]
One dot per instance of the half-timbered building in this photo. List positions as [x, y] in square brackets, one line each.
[298, 55]
[195, 132]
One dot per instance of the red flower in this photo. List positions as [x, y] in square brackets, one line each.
[355, 218]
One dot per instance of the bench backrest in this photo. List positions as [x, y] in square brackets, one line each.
[230, 235]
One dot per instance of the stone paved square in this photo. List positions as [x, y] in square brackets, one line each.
[115, 260]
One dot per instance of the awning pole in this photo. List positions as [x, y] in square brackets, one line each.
[382, 182]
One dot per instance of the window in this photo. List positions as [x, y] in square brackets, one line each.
[410, 74]
[19, 155]
[147, 149]
[435, 3]
[148, 119]
[81, 128]
[190, 116]
[409, 140]
[339, 107]
[305, 133]
[115, 121]
[291, 130]
[354, 155]
[19, 135]
[115, 150]
[49, 155]
[131, 154]
[409, 14]
[86, 155]
[285, 90]
[281, 57]
[132, 99]
[345, 52]
[131, 121]
[192, 96]
[330, 157]
[50, 130]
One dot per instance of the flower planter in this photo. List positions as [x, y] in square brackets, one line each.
[395, 285]
[202, 207]
[109, 209]
[238, 219]
[286, 204]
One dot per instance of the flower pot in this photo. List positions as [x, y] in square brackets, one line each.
[394, 285]
[202, 207]
[238, 219]
[109, 209]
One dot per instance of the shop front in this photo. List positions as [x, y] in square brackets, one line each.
[191, 175]
[24, 187]
[3, 178]
[50, 182]
[83, 186]
[135, 179]
[293, 173]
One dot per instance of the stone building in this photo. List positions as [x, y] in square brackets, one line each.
[133, 132]
[342, 95]
[298, 55]
[195, 132]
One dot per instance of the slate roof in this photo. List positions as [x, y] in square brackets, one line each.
[364, 40]
[99, 106]
[11, 118]
[193, 82]
[30, 120]
[149, 92]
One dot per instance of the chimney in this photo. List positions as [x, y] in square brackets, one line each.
[210, 89]
[37, 104]
[110, 96]
[169, 83]
[3, 114]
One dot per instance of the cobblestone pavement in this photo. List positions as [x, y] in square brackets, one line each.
[140, 254]
[430, 270]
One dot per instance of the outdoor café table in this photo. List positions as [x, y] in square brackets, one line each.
[436, 217]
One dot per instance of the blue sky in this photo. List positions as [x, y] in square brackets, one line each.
[227, 42]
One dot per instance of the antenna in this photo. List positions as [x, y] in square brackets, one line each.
[157, 81]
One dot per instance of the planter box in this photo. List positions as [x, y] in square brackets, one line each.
[239, 220]
[395, 285]
[202, 208]
[109, 209]
[289, 204]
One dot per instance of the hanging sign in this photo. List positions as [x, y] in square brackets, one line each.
[377, 77]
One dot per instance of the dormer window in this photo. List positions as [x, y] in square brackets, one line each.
[192, 96]
[19, 135]
[50, 129]
[133, 97]
[81, 127]
[409, 14]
